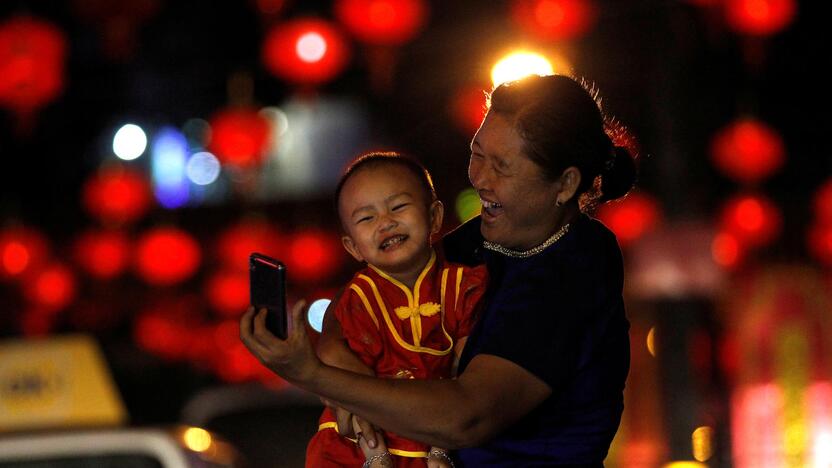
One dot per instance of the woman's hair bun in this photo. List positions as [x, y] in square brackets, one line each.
[618, 175]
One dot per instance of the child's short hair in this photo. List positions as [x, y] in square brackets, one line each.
[375, 159]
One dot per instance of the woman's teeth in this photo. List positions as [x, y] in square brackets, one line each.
[393, 241]
[488, 205]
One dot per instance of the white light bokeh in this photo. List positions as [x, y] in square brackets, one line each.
[311, 47]
[203, 168]
[520, 64]
[129, 142]
[316, 314]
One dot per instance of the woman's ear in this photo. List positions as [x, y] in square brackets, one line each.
[437, 215]
[349, 246]
[569, 180]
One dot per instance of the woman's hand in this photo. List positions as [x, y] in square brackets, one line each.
[293, 358]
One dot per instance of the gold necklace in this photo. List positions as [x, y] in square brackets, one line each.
[532, 251]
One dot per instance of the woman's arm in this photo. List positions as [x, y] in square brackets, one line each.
[489, 396]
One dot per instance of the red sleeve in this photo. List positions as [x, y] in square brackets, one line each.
[358, 328]
[471, 290]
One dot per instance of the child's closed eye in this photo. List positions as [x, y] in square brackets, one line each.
[400, 206]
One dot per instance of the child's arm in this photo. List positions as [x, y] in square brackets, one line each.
[333, 349]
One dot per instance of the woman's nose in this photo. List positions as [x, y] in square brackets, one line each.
[477, 175]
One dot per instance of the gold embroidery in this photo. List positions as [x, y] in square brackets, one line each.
[412, 300]
[415, 314]
[428, 309]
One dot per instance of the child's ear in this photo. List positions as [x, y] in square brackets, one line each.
[437, 214]
[349, 246]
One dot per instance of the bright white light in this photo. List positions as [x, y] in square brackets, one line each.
[129, 142]
[311, 47]
[278, 118]
[823, 450]
[203, 168]
[520, 64]
[316, 314]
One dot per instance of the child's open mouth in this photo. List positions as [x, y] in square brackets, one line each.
[392, 241]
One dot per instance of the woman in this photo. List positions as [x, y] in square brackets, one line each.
[542, 375]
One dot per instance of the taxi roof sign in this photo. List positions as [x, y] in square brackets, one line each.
[56, 382]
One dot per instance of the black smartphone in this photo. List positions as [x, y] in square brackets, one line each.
[267, 286]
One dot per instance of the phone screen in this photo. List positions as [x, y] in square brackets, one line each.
[267, 284]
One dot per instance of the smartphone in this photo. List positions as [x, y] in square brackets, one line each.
[267, 286]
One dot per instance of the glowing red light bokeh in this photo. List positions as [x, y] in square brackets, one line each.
[760, 17]
[823, 202]
[631, 217]
[819, 240]
[554, 19]
[52, 288]
[753, 219]
[117, 195]
[166, 256]
[382, 22]
[313, 255]
[165, 328]
[21, 250]
[748, 150]
[228, 292]
[239, 137]
[102, 254]
[305, 51]
[32, 54]
[726, 250]
[238, 242]
[468, 108]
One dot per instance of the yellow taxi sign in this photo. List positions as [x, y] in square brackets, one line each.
[56, 382]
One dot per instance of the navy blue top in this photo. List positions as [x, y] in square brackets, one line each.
[560, 315]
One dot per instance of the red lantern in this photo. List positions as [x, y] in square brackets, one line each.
[382, 22]
[554, 19]
[748, 150]
[305, 51]
[820, 242]
[32, 53]
[103, 254]
[117, 195]
[631, 217]
[228, 292]
[468, 108]
[753, 219]
[760, 17]
[238, 242]
[166, 256]
[239, 137]
[823, 202]
[52, 288]
[313, 255]
[21, 250]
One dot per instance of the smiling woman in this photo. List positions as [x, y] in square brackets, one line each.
[542, 373]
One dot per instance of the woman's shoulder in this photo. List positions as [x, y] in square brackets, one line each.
[463, 244]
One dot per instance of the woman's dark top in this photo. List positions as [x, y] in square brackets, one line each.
[559, 315]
